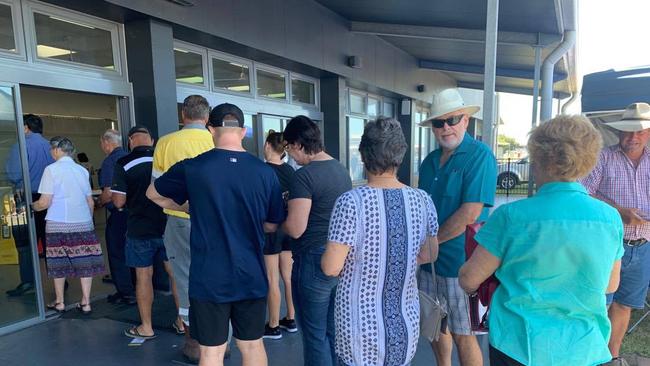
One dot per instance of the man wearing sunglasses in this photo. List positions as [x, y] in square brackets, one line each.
[461, 178]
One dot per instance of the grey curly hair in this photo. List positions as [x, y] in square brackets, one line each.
[382, 145]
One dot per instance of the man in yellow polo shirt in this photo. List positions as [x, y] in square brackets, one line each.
[192, 140]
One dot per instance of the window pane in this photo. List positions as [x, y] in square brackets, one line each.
[231, 76]
[67, 40]
[373, 107]
[355, 130]
[249, 139]
[271, 123]
[189, 67]
[271, 85]
[389, 110]
[357, 103]
[303, 91]
[7, 41]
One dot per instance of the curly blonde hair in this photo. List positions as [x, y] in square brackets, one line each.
[566, 147]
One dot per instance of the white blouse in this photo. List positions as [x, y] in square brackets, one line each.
[69, 186]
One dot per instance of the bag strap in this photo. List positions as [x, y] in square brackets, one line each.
[426, 238]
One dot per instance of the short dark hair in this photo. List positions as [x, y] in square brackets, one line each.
[303, 131]
[82, 157]
[382, 146]
[196, 107]
[33, 122]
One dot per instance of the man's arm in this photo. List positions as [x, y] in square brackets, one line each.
[165, 202]
[296, 222]
[455, 225]
[119, 199]
[270, 227]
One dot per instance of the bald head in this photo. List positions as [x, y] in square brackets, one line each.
[140, 139]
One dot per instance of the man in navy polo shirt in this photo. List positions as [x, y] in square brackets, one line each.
[233, 198]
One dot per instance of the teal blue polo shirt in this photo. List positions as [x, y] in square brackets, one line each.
[470, 175]
[557, 250]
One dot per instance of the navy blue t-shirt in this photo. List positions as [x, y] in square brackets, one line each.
[231, 194]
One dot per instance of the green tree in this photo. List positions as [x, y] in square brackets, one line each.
[509, 143]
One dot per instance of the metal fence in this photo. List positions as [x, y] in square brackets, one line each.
[512, 176]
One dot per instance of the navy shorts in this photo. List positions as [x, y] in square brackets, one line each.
[635, 277]
[142, 253]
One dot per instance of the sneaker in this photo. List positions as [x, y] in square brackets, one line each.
[289, 325]
[114, 298]
[272, 333]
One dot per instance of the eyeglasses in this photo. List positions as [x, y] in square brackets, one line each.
[451, 121]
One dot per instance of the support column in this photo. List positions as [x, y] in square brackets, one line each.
[332, 97]
[489, 108]
[538, 65]
[150, 55]
[406, 120]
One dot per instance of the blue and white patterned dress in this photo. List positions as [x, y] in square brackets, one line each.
[377, 308]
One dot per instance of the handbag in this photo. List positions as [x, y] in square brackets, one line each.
[485, 291]
[433, 312]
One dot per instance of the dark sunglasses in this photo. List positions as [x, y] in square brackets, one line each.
[451, 121]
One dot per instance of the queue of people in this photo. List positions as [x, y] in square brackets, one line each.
[572, 260]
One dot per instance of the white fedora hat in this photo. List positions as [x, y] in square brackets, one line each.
[635, 118]
[447, 101]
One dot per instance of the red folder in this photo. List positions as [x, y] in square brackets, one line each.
[485, 290]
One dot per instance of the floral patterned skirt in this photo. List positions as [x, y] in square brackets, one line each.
[73, 250]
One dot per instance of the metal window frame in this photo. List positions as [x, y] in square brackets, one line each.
[116, 31]
[380, 105]
[364, 179]
[221, 56]
[203, 52]
[364, 95]
[295, 76]
[392, 102]
[17, 29]
[277, 71]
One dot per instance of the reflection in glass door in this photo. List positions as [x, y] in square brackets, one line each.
[18, 284]
[269, 123]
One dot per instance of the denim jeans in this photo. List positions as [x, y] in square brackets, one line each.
[313, 298]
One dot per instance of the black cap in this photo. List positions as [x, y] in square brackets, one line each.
[219, 112]
[138, 129]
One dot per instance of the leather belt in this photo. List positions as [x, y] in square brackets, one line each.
[634, 243]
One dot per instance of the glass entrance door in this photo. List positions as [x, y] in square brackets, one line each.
[268, 123]
[20, 289]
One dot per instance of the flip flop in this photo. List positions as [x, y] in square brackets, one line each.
[53, 306]
[81, 307]
[133, 333]
[177, 329]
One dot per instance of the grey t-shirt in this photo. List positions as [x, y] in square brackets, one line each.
[323, 182]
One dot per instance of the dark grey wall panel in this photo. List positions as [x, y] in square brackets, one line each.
[154, 83]
[320, 38]
[304, 32]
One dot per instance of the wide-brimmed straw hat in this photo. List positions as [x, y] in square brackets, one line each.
[635, 118]
[448, 101]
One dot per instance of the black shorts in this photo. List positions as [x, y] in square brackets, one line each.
[276, 242]
[209, 320]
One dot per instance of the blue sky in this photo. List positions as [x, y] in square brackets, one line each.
[611, 35]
